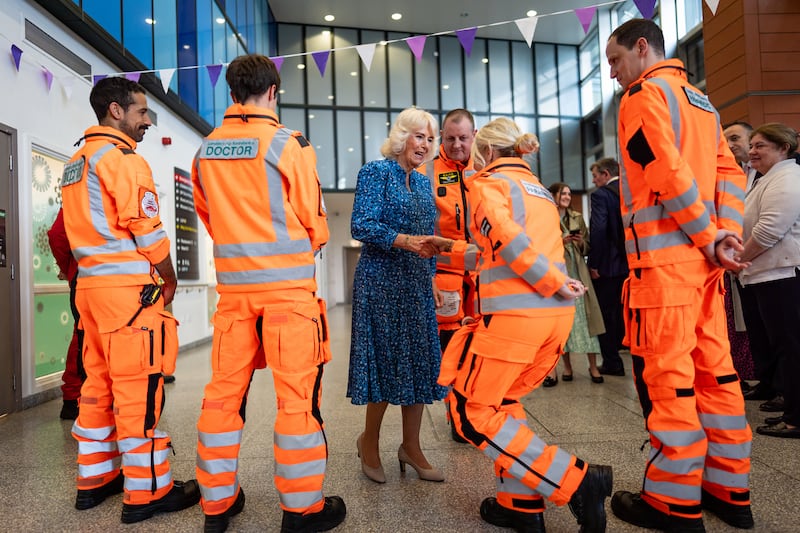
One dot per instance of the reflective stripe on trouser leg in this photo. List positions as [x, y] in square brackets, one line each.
[98, 457]
[512, 493]
[147, 473]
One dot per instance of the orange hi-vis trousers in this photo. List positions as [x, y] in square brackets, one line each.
[123, 395]
[287, 331]
[491, 367]
[689, 391]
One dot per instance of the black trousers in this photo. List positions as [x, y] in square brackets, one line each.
[609, 296]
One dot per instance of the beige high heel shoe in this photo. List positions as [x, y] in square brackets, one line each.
[375, 474]
[428, 474]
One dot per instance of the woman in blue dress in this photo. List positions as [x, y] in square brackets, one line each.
[394, 352]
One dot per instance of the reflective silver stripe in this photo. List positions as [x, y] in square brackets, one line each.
[95, 446]
[646, 214]
[218, 440]
[730, 451]
[497, 273]
[558, 467]
[213, 494]
[680, 467]
[112, 269]
[710, 207]
[96, 210]
[674, 439]
[111, 247]
[265, 275]
[143, 241]
[145, 459]
[673, 490]
[471, 257]
[217, 466]
[261, 249]
[728, 187]
[275, 183]
[697, 225]
[301, 470]
[300, 500]
[726, 479]
[506, 434]
[299, 442]
[92, 433]
[131, 443]
[537, 270]
[528, 300]
[672, 104]
[658, 242]
[513, 486]
[722, 421]
[517, 199]
[98, 469]
[730, 213]
[515, 248]
[146, 483]
[682, 201]
[443, 260]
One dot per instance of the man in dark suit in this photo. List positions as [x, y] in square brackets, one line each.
[607, 261]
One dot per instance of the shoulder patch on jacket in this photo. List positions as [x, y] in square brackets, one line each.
[301, 140]
[73, 172]
[639, 149]
[127, 151]
[698, 100]
[635, 89]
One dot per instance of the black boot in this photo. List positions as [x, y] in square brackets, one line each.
[89, 498]
[69, 410]
[631, 508]
[217, 523]
[588, 504]
[500, 516]
[328, 518]
[455, 436]
[734, 515]
[182, 495]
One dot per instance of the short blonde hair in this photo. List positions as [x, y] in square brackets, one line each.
[407, 121]
[505, 138]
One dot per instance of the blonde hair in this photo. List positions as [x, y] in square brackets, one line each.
[407, 121]
[779, 134]
[505, 139]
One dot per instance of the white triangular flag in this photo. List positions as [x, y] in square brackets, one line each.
[366, 51]
[526, 27]
[166, 77]
[66, 87]
[712, 5]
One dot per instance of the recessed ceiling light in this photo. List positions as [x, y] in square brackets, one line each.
[282, 91]
[150, 21]
[397, 16]
[310, 116]
[485, 60]
[329, 18]
[445, 86]
[351, 149]
[301, 66]
[330, 97]
[326, 33]
[186, 47]
[220, 20]
[354, 73]
[532, 13]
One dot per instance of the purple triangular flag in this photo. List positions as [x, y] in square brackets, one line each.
[585, 15]
[133, 76]
[417, 45]
[321, 59]
[98, 77]
[48, 78]
[278, 62]
[466, 37]
[646, 7]
[213, 73]
[16, 53]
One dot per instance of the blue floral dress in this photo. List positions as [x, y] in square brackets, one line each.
[394, 350]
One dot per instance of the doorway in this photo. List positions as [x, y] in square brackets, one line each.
[10, 361]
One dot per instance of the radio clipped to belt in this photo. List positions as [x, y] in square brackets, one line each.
[149, 296]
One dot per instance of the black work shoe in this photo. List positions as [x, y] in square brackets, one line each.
[500, 516]
[759, 392]
[773, 420]
[631, 508]
[89, 498]
[217, 523]
[734, 515]
[455, 436]
[69, 411]
[605, 371]
[588, 504]
[775, 405]
[328, 518]
[182, 495]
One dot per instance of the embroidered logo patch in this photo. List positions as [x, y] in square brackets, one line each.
[73, 172]
[698, 100]
[448, 178]
[536, 190]
[229, 149]
[149, 204]
[485, 227]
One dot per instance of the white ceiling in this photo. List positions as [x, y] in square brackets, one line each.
[432, 16]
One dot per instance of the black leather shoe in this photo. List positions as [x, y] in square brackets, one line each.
[566, 377]
[550, 382]
[497, 515]
[759, 392]
[455, 436]
[775, 405]
[588, 504]
[772, 420]
[631, 508]
[328, 518]
[89, 498]
[597, 379]
[611, 371]
[217, 523]
[779, 430]
[69, 410]
[734, 515]
[182, 495]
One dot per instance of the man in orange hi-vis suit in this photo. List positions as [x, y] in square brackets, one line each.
[111, 216]
[682, 199]
[257, 191]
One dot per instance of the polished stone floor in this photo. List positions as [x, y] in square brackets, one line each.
[599, 423]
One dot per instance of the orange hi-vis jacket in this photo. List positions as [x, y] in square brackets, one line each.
[249, 149]
[111, 212]
[515, 224]
[680, 181]
[447, 183]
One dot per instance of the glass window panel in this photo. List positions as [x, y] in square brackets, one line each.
[476, 69]
[137, 33]
[522, 77]
[546, 79]
[590, 54]
[241, 18]
[320, 89]
[293, 118]
[400, 59]
[590, 93]
[348, 68]
[205, 56]
[348, 133]
[528, 125]
[568, 83]
[106, 14]
[290, 41]
[374, 81]
[500, 77]
[572, 153]
[452, 79]
[549, 151]
[376, 131]
[320, 134]
[166, 37]
[426, 79]
[692, 11]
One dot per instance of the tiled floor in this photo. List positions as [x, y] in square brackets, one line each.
[600, 423]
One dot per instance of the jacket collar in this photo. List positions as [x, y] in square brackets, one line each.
[107, 134]
[238, 113]
[458, 165]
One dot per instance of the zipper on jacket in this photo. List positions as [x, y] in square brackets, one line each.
[635, 237]
[458, 218]
[638, 327]
[319, 336]
[152, 343]
[163, 339]
[464, 203]
[658, 197]
[153, 485]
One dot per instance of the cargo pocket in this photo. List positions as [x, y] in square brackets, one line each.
[293, 337]
[659, 321]
[222, 328]
[167, 341]
[131, 348]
